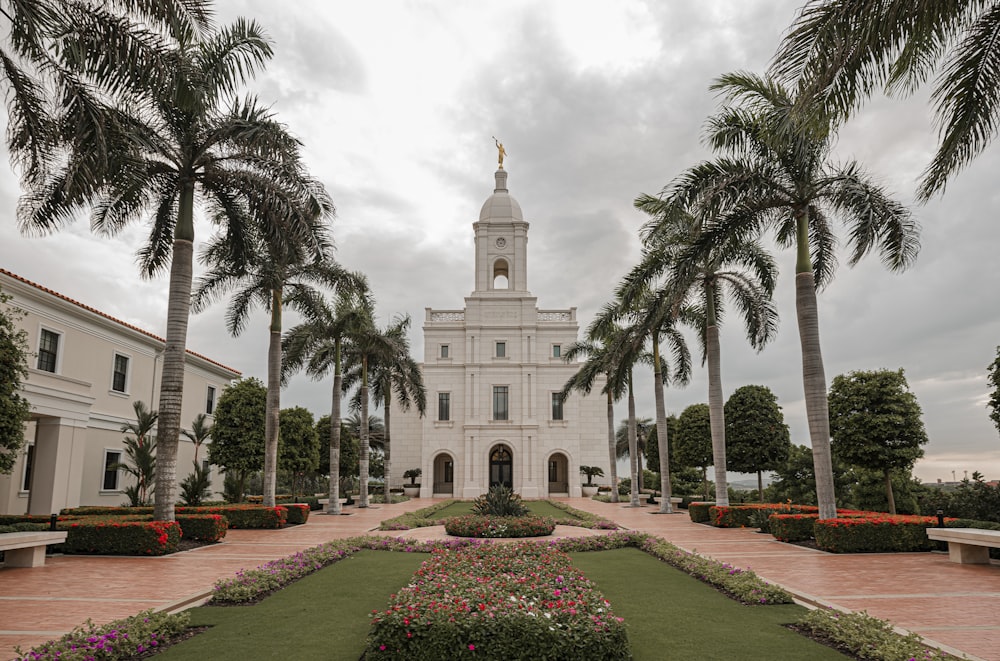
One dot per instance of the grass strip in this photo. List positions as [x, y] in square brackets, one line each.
[671, 615]
[322, 616]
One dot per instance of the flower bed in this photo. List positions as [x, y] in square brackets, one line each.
[499, 526]
[699, 512]
[129, 638]
[203, 527]
[119, 536]
[880, 533]
[866, 636]
[497, 602]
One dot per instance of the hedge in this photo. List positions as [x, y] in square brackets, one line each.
[121, 537]
[881, 533]
[792, 527]
[698, 511]
[296, 513]
[203, 527]
[738, 516]
[499, 526]
[239, 515]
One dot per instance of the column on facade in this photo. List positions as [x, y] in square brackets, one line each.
[57, 474]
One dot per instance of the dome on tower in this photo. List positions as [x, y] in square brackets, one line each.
[500, 207]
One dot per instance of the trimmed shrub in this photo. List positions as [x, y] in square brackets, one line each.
[877, 534]
[297, 513]
[117, 536]
[243, 516]
[500, 601]
[698, 511]
[792, 527]
[203, 527]
[739, 516]
[499, 526]
[499, 501]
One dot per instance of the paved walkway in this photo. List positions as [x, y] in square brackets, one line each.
[958, 606]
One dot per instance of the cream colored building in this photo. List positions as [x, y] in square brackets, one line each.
[493, 372]
[86, 370]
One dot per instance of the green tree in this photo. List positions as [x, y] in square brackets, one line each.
[738, 266]
[66, 64]
[140, 454]
[201, 431]
[653, 446]
[14, 407]
[317, 344]
[993, 380]
[693, 442]
[347, 457]
[299, 445]
[598, 366]
[277, 275]
[777, 174]
[237, 445]
[875, 423]
[191, 141]
[644, 429]
[841, 51]
[756, 434]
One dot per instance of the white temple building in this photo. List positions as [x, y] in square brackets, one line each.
[493, 372]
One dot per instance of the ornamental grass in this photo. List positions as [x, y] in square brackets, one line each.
[499, 601]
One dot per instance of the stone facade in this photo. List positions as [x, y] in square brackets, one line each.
[85, 371]
[493, 371]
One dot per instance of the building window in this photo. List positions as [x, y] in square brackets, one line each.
[210, 400]
[444, 406]
[445, 351]
[557, 406]
[206, 466]
[449, 471]
[501, 349]
[557, 351]
[48, 350]
[111, 460]
[119, 375]
[29, 464]
[500, 411]
[553, 470]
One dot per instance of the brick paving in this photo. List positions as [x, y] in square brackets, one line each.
[955, 606]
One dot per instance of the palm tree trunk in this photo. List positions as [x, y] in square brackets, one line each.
[814, 384]
[632, 445]
[172, 378]
[760, 486]
[363, 461]
[333, 507]
[271, 415]
[613, 471]
[661, 429]
[716, 412]
[387, 445]
[888, 492]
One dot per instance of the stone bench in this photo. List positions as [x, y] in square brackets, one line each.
[969, 546]
[27, 549]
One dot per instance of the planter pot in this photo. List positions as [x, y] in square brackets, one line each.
[589, 490]
[411, 490]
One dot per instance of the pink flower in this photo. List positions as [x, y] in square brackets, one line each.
[472, 648]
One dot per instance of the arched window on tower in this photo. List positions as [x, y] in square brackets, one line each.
[501, 274]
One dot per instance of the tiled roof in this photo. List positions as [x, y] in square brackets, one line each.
[109, 317]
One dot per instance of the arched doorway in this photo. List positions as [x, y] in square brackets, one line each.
[558, 474]
[501, 467]
[444, 475]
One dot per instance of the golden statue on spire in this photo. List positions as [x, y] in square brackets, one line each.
[501, 152]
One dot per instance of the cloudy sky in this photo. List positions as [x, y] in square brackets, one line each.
[596, 102]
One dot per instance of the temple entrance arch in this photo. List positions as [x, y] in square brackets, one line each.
[501, 466]
[557, 469]
[444, 475]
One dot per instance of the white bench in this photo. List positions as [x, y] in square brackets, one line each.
[969, 546]
[27, 549]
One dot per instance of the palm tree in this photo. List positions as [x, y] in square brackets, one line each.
[77, 56]
[275, 277]
[644, 427]
[193, 139]
[741, 268]
[140, 448]
[840, 51]
[598, 365]
[317, 344]
[368, 347]
[200, 431]
[777, 175]
[397, 377]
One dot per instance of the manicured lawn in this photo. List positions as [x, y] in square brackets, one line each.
[536, 507]
[669, 614]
